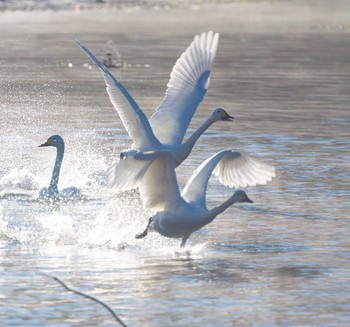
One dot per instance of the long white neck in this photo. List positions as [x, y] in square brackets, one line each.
[56, 169]
[219, 209]
[188, 145]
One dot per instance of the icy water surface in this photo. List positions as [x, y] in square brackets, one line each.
[282, 261]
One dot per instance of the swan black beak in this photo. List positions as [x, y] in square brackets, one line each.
[249, 200]
[228, 118]
[44, 144]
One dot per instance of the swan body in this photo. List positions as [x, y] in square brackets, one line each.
[166, 128]
[180, 214]
[51, 193]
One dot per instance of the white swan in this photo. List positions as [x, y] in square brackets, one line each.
[179, 215]
[51, 193]
[189, 81]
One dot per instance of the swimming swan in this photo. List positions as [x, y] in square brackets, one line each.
[165, 130]
[179, 215]
[52, 193]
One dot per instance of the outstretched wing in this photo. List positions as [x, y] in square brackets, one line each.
[127, 174]
[189, 81]
[133, 118]
[234, 169]
[237, 170]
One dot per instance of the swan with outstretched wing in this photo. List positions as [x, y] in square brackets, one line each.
[165, 130]
[178, 215]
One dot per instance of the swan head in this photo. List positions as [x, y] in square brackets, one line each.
[221, 114]
[54, 140]
[241, 196]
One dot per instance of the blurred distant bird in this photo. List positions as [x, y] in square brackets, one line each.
[111, 55]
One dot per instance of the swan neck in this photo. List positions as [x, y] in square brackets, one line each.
[195, 136]
[57, 169]
[220, 208]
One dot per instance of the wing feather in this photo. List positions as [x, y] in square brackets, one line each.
[132, 117]
[159, 189]
[126, 174]
[248, 171]
[234, 169]
[189, 81]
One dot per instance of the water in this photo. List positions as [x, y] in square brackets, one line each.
[283, 261]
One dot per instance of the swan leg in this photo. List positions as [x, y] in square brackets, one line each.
[145, 232]
[184, 240]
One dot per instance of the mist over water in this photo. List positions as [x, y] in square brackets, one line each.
[282, 70]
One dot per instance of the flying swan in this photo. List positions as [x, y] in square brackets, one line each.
[179, 215]
[165, 130]
[51, 193]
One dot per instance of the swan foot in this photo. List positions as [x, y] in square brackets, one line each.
[145, 232]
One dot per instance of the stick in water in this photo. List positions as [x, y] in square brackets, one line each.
[89, 297]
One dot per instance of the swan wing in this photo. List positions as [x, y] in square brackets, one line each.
[126, 174]
[133, 118]
[237, 170]
[234, 169]
[196, 187]
[189, 81]
[159, 189]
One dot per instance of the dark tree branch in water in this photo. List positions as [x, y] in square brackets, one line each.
[89, 297]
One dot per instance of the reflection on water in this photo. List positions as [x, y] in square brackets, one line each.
[282, 261]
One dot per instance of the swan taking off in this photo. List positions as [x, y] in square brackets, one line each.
[179, 215]
[51, 193]
[165, 130]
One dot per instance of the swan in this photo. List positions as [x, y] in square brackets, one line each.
[51, 193]
[180, 214]
[166, 128]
